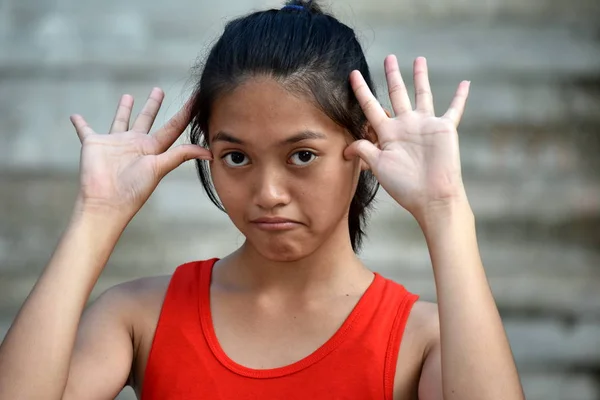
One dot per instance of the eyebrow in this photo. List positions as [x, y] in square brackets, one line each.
[300, 136]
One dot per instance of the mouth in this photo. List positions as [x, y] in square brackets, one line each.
[275, 224]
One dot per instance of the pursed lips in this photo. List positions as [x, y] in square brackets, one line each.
[275, 223]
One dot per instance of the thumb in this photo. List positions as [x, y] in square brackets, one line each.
[364, 149]
[173, 158]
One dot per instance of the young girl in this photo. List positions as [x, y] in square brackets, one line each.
[286, 127]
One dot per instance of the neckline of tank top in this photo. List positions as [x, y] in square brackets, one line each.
[321, 352]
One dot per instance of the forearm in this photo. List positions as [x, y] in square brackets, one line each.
[477, 361]
[36, 352]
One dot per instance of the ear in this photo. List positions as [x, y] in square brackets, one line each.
[371, 136]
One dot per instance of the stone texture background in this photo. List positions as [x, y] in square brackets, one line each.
[529, 141]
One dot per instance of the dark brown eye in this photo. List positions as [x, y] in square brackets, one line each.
[303, 157]
[235, 159]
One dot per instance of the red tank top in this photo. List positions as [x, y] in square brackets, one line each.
[357, 362]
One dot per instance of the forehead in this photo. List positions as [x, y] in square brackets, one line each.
[263, 109]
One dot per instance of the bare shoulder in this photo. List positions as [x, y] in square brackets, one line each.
[140, 292]
[138, 303]
[134, 299]
[424, 324]
[420, 334]
[111, 336]
[424, 319]
[142, 301]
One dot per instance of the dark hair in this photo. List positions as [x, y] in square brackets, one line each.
[309, 52]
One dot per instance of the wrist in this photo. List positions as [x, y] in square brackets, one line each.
[444, 213]
[99, 219]
[92, 210]
[87, 242]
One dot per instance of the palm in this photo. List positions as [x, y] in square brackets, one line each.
[115, 169]
[416, 158]
[119, 171]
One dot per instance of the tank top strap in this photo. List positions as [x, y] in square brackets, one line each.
[381, 323]
[178, 330]
[399, 302]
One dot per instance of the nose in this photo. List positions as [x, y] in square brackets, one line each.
[270, 188]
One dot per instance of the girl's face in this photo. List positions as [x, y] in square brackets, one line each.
[279, 170]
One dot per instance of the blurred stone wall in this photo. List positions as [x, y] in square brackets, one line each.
[529, 141]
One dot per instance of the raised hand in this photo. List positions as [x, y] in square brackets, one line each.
[119, 171]
[416, 158]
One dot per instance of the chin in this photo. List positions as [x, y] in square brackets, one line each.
[283, 251]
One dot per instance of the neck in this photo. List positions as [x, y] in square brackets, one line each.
[332, 269]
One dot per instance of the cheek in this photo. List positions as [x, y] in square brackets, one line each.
[230, 192]
[340, 176]
[329, 192]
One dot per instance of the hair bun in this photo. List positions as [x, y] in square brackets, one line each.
[309, 5]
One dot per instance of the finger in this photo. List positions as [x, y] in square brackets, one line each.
[145, 119]
[169, 132]
[457, 106]
[364, 149]
[171, 159]
[423, 96]
[81, 127]
[123, 114]
[369, 104]
[396, 87]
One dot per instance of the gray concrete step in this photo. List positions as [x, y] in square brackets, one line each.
[64, 44]
[404, 10]
[408, 11]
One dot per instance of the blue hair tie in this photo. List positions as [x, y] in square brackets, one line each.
[294, 7]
